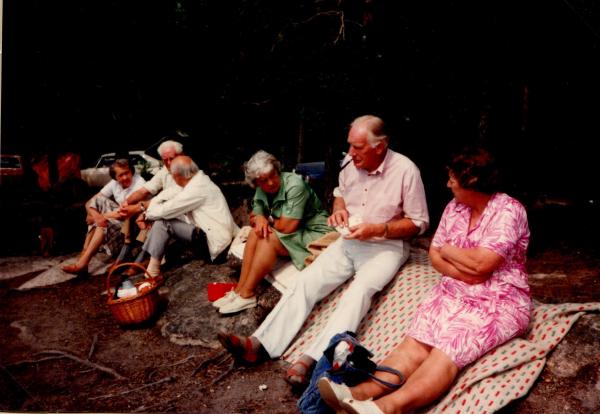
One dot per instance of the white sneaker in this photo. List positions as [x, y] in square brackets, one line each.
[238, 304]
[333, 393]
[229, 296]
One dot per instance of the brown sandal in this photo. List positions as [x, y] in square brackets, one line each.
[241, 347]
[296, 378]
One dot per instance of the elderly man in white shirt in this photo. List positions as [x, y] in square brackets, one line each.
[194, 211]
[162, 180]
[379, 204]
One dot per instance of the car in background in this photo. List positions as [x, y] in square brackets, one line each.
[12, 170]
[98, 176]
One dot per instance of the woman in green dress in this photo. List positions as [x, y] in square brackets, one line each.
[286, 216]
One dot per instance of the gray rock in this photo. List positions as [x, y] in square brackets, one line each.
[190, 319]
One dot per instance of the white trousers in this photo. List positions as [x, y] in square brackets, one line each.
[373, 266]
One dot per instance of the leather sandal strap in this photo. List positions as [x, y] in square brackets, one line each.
[250, 354]
[294, 371]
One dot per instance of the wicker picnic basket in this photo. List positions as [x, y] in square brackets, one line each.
[134, 309]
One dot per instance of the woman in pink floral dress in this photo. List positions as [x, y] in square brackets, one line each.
[481, 301]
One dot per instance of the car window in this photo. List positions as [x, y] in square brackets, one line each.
[10, 162]
[137, 159]
[106, 161]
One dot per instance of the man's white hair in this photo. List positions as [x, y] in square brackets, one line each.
[374, 127]
[184, 167]
[169, 144]
[260, 163]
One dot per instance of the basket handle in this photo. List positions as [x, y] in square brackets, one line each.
[134, 264]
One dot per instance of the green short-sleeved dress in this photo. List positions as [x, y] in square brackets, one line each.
[295, 199]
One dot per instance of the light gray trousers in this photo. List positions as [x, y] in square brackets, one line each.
[162, 231]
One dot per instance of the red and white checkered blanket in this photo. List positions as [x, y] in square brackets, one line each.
[502, 375]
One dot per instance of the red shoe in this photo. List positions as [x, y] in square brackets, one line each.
[241, 348]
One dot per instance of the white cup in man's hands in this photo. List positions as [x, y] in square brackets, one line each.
[352, 221]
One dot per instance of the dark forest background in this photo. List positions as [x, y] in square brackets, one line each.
[522, 77]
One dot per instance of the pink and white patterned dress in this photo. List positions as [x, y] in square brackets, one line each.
[466, 321]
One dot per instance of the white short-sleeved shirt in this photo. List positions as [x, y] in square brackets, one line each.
[162, 180]
[113, 188]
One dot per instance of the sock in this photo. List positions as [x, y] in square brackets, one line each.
[153, 267]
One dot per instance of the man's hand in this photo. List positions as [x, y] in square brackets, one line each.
[261, 226]
[127, 210]
[364, 231]
[338, 218]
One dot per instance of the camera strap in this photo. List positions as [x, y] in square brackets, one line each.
[349, 367]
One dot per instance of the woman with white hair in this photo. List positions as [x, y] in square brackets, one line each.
[286, 216]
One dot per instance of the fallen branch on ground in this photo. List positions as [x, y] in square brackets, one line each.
[33, 361]
[182, 361]
[82, 361]
[165, 404]
[62, 354]
[93, 347]
[229, 370]
[160, 381]
[85, 371]
[227, 357]
[216, 358]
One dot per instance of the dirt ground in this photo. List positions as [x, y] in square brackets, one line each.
[140, 370]
[73, 317]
